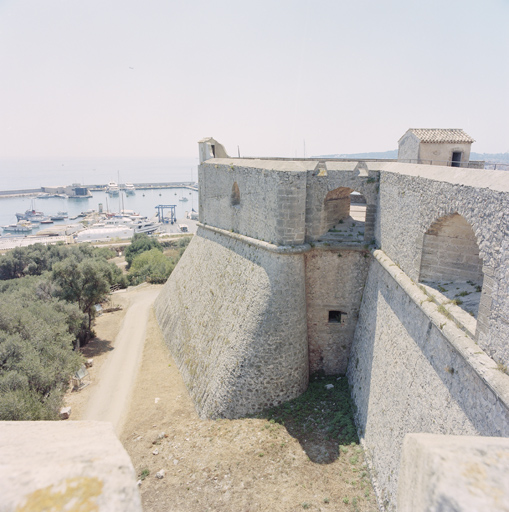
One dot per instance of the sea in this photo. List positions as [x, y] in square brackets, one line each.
[29, 174]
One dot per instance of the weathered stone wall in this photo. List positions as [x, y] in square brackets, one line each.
[408, 147]
[413, 197]
[233, 314]
[338, 179]
[334, 282]
[413, 370]
[450, 252]
[451, 473]
[272, 198]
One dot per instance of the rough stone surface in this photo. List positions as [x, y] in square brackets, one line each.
[459, 473]
[334, 282]
[412, 371]
[49, 465]
[234, 318]
[257, 285]
[414, 197]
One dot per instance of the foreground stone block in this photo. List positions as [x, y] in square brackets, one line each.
[79, 465]
[460, 473]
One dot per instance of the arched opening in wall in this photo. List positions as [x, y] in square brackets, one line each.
[451, 266]
[344, 216]
[235, 197]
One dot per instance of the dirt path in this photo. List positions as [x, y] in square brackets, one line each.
[110, 399]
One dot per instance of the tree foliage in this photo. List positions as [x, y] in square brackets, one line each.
[151, 266]
[36, 356]
[47, 303]
[85, 283]
[38, 258]
[140, 243]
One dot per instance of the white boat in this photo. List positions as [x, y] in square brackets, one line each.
[31, 215]
[183, 198]
[146, 226]
[59, 216]
[129, 189]
[115, 227]
[112, 188]
[23, 226]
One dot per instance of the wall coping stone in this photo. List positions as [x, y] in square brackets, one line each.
[285, 249]
[485, 367]
[478, 178]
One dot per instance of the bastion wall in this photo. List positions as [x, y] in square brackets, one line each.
[234, 318]
[412, 370]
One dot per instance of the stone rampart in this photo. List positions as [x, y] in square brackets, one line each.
[271, 200]
[414, 197]
[413, 370]
[334, 283]
[234, 317]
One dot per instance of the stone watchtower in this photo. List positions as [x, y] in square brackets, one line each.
[435, 146]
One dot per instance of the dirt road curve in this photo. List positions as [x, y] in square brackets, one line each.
[118, 374]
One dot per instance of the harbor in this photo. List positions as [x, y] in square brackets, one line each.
[28, 217]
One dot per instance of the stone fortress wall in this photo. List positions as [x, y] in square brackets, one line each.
[272, 287]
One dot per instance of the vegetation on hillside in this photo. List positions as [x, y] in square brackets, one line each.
[47, 307]
[149, 260]
[47, 303]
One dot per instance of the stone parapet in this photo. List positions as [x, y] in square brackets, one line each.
[78, 465]
[460, 473]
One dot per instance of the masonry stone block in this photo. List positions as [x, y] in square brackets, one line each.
[72, 465]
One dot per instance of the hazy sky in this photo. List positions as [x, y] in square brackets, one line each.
[126, 78]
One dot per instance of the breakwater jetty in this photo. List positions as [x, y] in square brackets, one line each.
[97, 188]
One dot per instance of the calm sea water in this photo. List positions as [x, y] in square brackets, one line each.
[16, 174]
[25, 174]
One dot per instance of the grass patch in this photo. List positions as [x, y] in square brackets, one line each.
[320, 415]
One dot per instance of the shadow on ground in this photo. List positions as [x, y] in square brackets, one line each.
[321, 419]
[96, 347]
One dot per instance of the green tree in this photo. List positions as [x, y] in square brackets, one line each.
[36, 356]
[86, 283]
[140, 243]
[151, 266]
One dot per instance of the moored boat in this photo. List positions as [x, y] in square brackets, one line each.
[31, 215]
[112, 188]
[59, 216]
[129, 189]
[22, 226]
